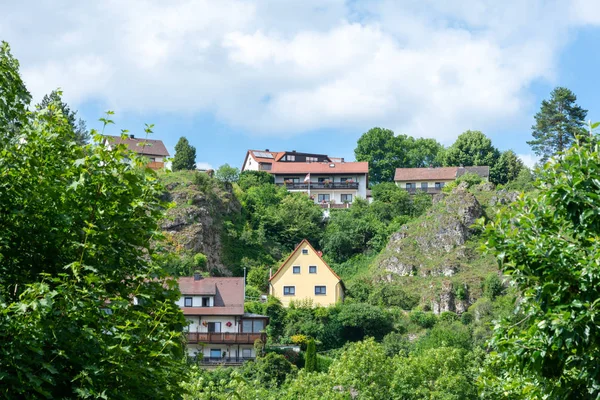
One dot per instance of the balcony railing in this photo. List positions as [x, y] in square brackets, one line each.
[428, 190]
[225, 360]
[319, 185]
[156, 165]
[225, 337]
[329, 205]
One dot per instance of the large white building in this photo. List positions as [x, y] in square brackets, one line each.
[331, 182]
[218, 331]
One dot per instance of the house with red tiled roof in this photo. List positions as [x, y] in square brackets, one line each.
[330, 181]
[432, 180]
[153, 149]
[218, 330]
[305, 276]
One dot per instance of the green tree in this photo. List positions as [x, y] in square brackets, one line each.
[227, 174]
[248, 179]
[557, 123]
[471, 148]
[185, 156]
[311, 356]
[507, 168]
[82, 136]
[381, 149]
[82, 312]
[259, 278]
[362, 320]
[523, 181]
[425, 153]
[15, 96]
[547, 242]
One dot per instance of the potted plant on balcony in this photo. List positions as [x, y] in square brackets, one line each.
[327, 182]
[204, 323]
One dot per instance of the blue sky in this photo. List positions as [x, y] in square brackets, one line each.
[308, 75]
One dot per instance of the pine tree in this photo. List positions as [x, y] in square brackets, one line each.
[185, 155]
[311, 356]
[556, 124]
[82, 136]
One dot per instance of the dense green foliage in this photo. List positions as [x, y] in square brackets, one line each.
[185, 155]
[82, 136]
[547, 242]
[227, 174]
[385, 152]
[557, 124]
[310, 364]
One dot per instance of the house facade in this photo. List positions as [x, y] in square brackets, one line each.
[330, 181]
[219, 331]
[154, 150]
[306, 276]
[433, 180]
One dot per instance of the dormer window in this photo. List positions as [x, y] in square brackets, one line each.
[206, 302]
[188, 301]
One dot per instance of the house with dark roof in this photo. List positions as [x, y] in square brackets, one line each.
[305, 276]
[153, 149]
[330, 181]
[432, 180]
[218, 330]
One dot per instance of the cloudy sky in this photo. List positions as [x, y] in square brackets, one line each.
[308, 75]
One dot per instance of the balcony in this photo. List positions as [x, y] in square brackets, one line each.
[225, 337]
[225, 360]
[318, 185]
[428, 190]
[329, 205]
[156, 165]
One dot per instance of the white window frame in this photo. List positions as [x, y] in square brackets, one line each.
[304, 252]
[289, 287]
[191, 299]
[294, 269]
[322, 293]
[312, 266]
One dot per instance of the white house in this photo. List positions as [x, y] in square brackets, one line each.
[154, 150]
[218, 331]
[330, 181]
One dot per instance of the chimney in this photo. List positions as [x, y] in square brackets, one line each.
[131, 136]
[270, 273]
[197, 276]
[266, 149]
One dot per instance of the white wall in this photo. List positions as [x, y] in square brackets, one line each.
[196, 323]
[251, 164]
[335, 194]
[196, 301]
[231, 350]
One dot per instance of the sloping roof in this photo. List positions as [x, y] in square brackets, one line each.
[483, 171]
[320, 168]
[295, 251]
[228, 292]
[258, 155]
[425, 174]
[144, 146]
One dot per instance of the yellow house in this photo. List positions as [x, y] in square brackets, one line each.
[305, 275]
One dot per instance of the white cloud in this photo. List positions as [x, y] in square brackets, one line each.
[203, 165]
[429, 68]
[528, 159]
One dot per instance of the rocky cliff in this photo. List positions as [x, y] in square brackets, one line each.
[195, 223]
[436, 256]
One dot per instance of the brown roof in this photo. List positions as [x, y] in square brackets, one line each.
[425, 174]
[320, 168]
[228, 292]
[144, 146]
[295, 251]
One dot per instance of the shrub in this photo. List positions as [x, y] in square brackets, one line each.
[448, 317]
[310, 364]
[423, 319]
[445, 334]
[492, 286]
[466, 318]
[200, 261]
[361, 320]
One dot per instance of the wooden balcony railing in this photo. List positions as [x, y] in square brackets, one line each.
[156, 165]
[225, 337]
[317, 185]
[225, 360]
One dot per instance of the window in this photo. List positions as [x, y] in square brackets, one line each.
[215, 353]
[214, 327]
[322, 197]
[289, 290]
[424, 185]
[410, 186]
[296, 269]
[152, 159]
[312, 159]
[320, 290]
[188, 302]
[439, 185]
[343, 180]
[247, 326]
[305, 251]
[265, 166]
[206, 302]
[291, 157]
[253, 326]
[247, 353]
[312, 269]
[346, 198]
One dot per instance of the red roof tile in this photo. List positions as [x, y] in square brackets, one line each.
[319, 253]
[228, 292]
[425, 174]
[149, 147]
[320, 168]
